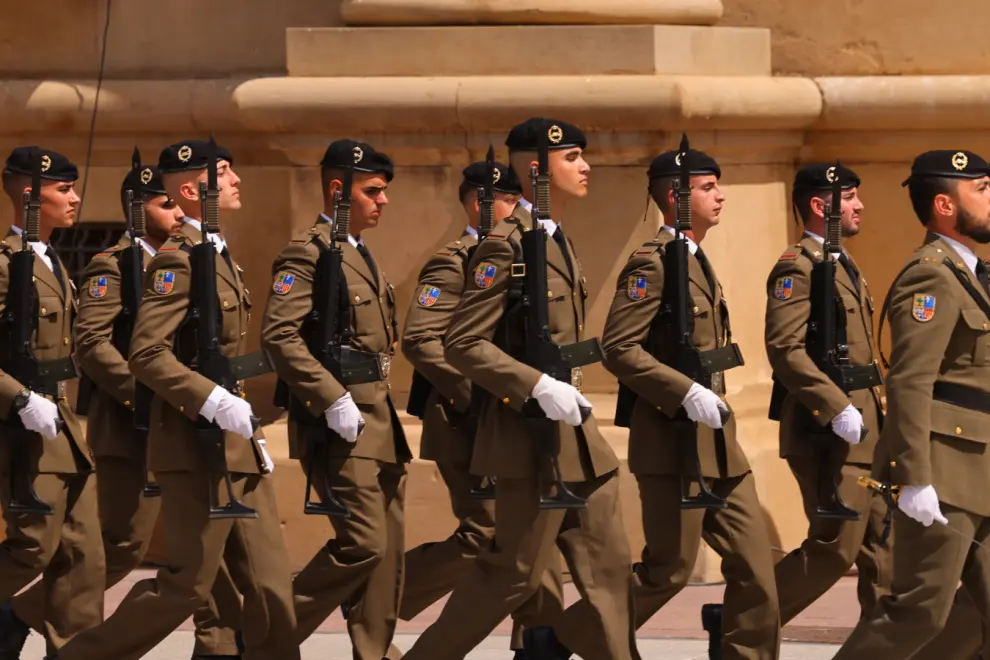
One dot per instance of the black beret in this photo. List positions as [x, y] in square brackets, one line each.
[560, 135]
[820, 176]
[948, 163]
[669, 164]
[189, 155]
[54, 166]
[362, 155]
[503, 178]
[144, 180]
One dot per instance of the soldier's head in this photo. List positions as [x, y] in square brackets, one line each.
[504, 183]
[372, 172]
[183, 167]
[59, 200]
[950, 193]
[707, 197]
[566, 144]
[813, 190]
[161, 213]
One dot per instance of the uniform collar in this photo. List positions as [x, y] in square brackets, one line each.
[143, 243]
[350, 239]
[968, 256]
[821, 241]
[692, 246]
[549, 225]
[218, 242]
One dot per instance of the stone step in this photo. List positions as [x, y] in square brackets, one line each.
[542, 50]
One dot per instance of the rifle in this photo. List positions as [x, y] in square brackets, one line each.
[540, 351]
[210, 361]
[827, 347]
[703, 367]
[19, 321]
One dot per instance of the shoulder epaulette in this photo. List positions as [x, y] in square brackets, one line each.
[648, 248]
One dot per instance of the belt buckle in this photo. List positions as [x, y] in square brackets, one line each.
[384, 364]
[577, 378]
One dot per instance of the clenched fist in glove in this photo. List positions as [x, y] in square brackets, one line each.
[40, 415]
[229, 412]
[344, 418]
[703, 405]
[921, 503]
[848, 425]
[560, 401]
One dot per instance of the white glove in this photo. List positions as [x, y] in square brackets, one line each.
[39, 415]
[234, 415]
[560, 401]
[921, 503]
[848, 425]
[344, 418]
[269, 463]
[703, 405]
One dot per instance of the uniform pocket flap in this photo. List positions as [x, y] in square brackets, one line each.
[228, 299]
[955, 422]
[975, 319]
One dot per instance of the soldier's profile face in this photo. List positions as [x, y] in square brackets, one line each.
[228, 182]
[706, 199]
[59, 203]
[368, 199]
[163, 216]
[504, 203]
[973, 214]
[852, 208]
[569, 171]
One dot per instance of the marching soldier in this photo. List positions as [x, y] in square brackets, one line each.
[434, 569]
[935, 434]
[42, 448]
[359, 446]
[510, 570]
[127, 517]
[640, 343]
[162, 351]
[805, 393]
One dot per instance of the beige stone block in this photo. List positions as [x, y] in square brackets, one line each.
[869, 37]
[529, 50]
[525, 12]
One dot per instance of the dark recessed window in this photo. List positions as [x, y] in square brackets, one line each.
[76, 246]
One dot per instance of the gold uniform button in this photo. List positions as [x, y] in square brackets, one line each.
[182, 409]
[44, 311]
[505, 400]
[309, 404]
[379, 300]
[549, 294]
[226, 304]
[893, 464]
[986, 326]
[357, 299]
[65, 341]
[958, 430]
[815, 412]
[580, 327]
[127, 403]
[452, 401]
[695, 309]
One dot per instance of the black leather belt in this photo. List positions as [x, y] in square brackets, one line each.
[962, 396]
[358, 367]
[251, 365]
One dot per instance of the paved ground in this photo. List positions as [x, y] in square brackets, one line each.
[674, 634]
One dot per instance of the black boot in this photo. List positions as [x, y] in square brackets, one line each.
[13, 633]
[711, 621]
[542, 644]
[520, 655]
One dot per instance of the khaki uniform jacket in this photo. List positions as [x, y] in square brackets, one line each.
[787, 313]
[505, 445]
[939, 335]
[373, 329]
[660, 388]
[110, 425]
[440, 287]
[180, 392]
[68, 453]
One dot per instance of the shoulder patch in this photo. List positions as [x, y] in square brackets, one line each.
[783, 288]
[429, 296]
[283, 282]
[98, 286]
[164, 281]
[923, 307]
[636, 287]
[484, 274]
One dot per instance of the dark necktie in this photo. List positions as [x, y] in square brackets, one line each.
[558, 236]
[982, 275]
[706, 268]
[363, 251]
[56, 267]
[225, 253]
[850, 269]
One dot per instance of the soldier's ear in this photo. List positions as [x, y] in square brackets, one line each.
[817, 206]
[190, 190]
[944, 205]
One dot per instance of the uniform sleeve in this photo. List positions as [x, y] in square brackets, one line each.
[441, 284]
[787, 313]
[152, 360]
[9, 386]
[627, 327]
[917, 350]
[470, 347]
[309, 381]
[99, 306]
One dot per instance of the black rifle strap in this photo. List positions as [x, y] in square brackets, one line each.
[967, 284]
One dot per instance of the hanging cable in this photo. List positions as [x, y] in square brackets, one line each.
[96, 107]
